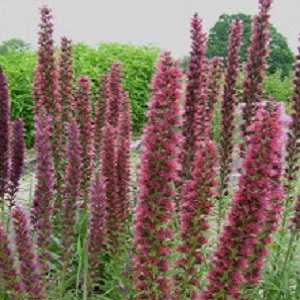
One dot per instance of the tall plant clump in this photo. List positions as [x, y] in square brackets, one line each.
[214, 85]
[194, 107]
[255, 67]
[4, 135]
[293, 145]
[228, 105]
[17, 160]
[251, 206]
[86, 130]
[196, 204]
[42, 208]
[158, 172]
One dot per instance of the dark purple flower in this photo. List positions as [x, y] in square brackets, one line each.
[17, 159]
[29, 267]
[4, 134]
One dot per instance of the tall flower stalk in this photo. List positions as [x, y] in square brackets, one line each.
[46, 94]
[4, 136]
[100, 114]
[228, 105]
[66, 79]
[96, 229]
[214, 85]
[256, 66]
[123, 166]
[42, 208]
[196, 204]
[158, 172]
[194, 107]
[17, 160]
[29, 267]
[86, 130]
[253, 271]
[293, 145]
[250, 209]
[70, 198]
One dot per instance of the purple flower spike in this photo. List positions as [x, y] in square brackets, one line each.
[4, 134]
[196, 204]
[17, 159]
[196, 89]
[97, 228]
[71, 192]
[42, 211]
[255, 67]
[214, 84]
[86, 130]
[100, 114]
[252, 208]
[228, 106]
[293, 145]
[158, 174]
[28, 259]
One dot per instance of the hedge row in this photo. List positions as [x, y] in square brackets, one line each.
[138, 67]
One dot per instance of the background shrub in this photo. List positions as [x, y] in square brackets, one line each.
[138, 67]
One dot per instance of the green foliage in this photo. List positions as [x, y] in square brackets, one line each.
[280, 58]
[138, 67]
[18, 66]
[13, 44]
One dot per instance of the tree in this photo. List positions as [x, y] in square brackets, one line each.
[14, 44]
[281, 56]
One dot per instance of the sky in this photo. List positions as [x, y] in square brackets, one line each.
[164, 23]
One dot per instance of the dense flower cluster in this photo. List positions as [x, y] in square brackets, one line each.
[66, 79]
[251, 205]
[4, 133]
[194, 107]
[71, 193]
[255, 262]
[196, 204]
[46, 88]
[86, 130]
[17, 159]
[255, 66]
[159, 168]
[293, 144]
[41, 210]
[108, 162]
[97, 228]
[214, 84]
[228, 105]
[115, 94]
[100, 113]
[29, 267]
[123, 166]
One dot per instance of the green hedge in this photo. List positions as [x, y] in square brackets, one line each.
[138, 67]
